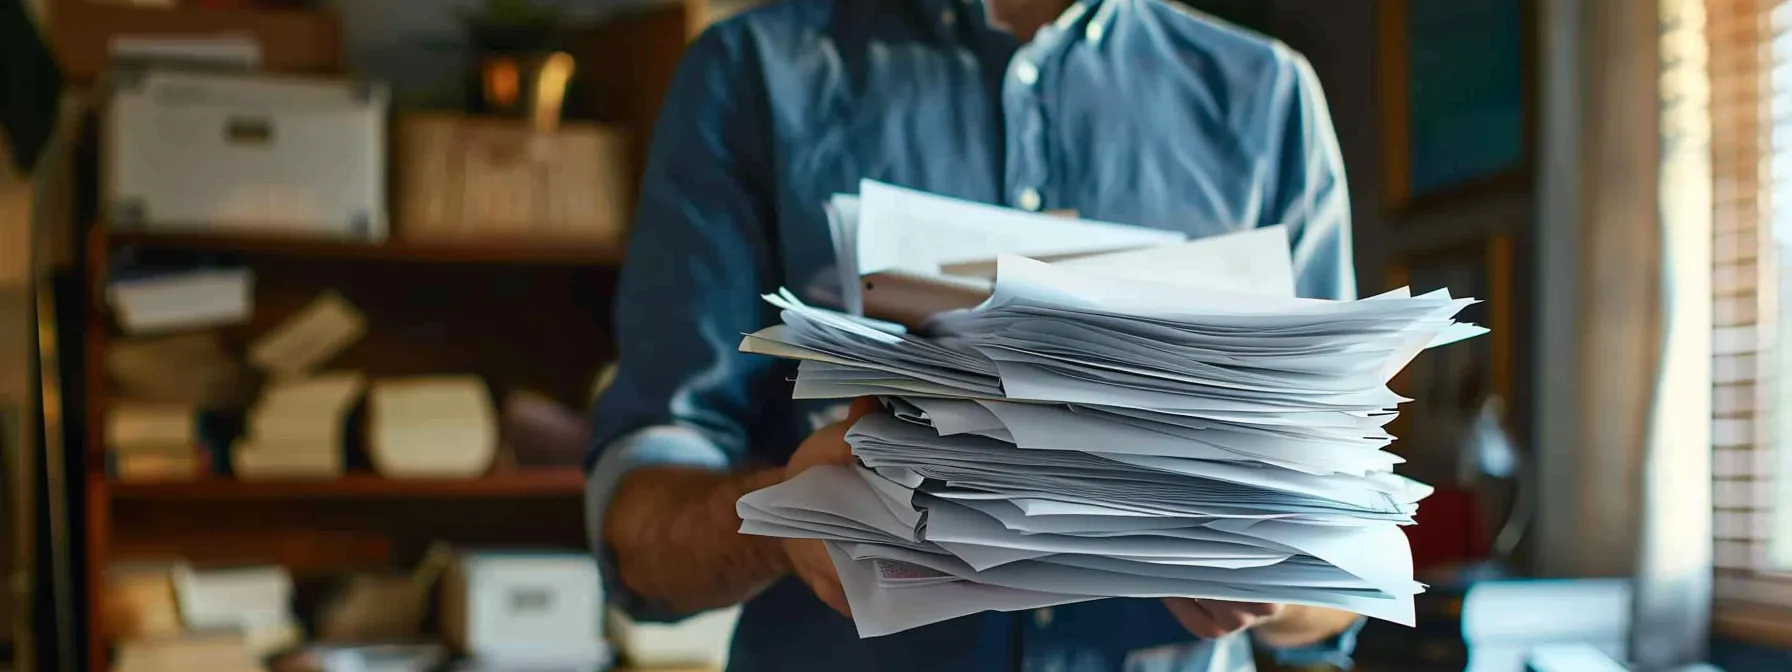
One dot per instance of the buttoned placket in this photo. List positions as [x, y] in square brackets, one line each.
[1023, 106]
[1028, 85]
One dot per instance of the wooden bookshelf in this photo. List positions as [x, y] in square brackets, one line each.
[523, 316]
[561, 483]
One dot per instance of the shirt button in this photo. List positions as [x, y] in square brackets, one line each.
[1094, 32]
[1029, 199]
[1042, 617]
[1026, 72]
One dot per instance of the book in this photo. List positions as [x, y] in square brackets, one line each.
[189, 368]
[310, 338]
[140, 602]
[298, 429]
[183, 300]
[152, 427]
[431, 427]
[214, 652]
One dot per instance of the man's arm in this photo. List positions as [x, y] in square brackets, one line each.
[672, 532]
[1309, 193]
[671, 433]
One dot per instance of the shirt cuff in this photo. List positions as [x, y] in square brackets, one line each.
[664, 445]
[1335, 651]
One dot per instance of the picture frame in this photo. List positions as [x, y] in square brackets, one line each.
[1457, 99]
[1446, 384]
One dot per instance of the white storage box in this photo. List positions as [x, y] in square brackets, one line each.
[535, 609]
[245, 153]
[697, 643]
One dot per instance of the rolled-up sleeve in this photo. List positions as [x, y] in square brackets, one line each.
[696, 263]
[1309, 193]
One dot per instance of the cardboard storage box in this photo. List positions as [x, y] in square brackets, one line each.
[463, 178]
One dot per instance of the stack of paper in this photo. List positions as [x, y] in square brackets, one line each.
[1086, 434]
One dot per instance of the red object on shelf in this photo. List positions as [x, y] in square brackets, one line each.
[1449, 530]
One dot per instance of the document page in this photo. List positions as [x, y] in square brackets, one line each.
[905, 229]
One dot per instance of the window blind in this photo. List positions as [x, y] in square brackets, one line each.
[1751, 112]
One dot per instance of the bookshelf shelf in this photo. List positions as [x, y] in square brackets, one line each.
[471, 252]
[522, 483]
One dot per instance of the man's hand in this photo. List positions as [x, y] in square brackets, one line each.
[808, 557]
[1213, 619]
[1283, 625]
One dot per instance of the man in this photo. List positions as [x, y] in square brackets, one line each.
[1121, 110]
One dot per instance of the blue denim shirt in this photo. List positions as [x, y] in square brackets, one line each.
[1123, 110]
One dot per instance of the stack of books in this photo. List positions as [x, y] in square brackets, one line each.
[298, 429]
[155, 442]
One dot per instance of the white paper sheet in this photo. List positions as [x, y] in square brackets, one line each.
[904, 229]
[1250, 261]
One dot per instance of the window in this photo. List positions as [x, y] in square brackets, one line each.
[1751, 110]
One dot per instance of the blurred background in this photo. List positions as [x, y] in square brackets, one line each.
[222, 415]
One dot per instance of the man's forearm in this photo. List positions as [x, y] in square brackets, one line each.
[1300, 625]
[674, 534]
